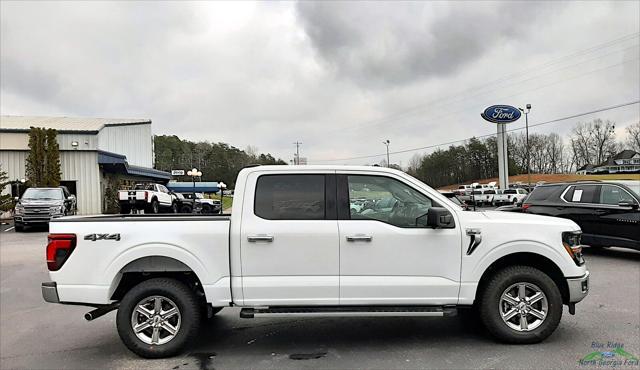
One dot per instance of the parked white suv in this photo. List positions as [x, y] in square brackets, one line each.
[293, 247]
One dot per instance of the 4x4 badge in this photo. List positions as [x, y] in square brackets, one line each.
[94, 237]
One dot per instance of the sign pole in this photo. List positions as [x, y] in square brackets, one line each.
[503, 158]
[501, 115]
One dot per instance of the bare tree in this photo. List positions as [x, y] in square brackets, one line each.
[633, 137]
[414, 164]
[604, 140]
[581, 144]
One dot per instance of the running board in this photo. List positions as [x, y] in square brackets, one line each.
[250, 313]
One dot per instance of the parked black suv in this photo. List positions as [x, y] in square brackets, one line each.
[607, 212]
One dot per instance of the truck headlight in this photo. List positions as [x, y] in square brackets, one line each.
[19, 209]
[56, 210]
[571, 243]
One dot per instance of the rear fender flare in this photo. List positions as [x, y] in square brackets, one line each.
[112, 273]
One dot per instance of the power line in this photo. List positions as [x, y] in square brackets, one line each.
[489, 135]
[421, 107]
[501, 98]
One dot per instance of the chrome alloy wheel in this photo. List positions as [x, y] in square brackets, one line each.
[156, 320]
[523, 306]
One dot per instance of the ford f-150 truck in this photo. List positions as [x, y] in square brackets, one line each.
[294, 247]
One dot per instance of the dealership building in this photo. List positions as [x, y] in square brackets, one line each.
[94, 153]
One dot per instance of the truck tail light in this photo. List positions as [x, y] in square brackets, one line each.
[525, 206]
[146, 196]
[59, 249]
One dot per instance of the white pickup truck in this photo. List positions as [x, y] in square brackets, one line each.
[294, 246]
[149, 197]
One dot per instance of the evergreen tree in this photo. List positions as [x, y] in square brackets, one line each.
[43, 160]
[36, 162]
[52, 158]
[6, 201]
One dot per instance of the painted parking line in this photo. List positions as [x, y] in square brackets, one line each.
[9, 229]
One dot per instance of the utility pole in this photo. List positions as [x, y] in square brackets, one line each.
[387, 142]
[296, 160]
[526, 119]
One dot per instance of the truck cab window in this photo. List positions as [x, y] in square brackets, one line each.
[290, 197]
[385, 199]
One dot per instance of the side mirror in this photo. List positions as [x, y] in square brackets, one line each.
[436, 218]
[628, 204]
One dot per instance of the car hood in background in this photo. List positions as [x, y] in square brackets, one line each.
[525, 218]
[40, 202]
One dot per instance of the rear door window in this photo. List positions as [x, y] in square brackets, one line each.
[290, 197]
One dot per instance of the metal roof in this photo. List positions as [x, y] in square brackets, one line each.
[112, 162]
[69, 124]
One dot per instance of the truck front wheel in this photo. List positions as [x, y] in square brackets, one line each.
[520, 304]
[153, 207]
[158, 317]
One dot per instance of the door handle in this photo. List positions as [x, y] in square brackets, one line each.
[260, 238]
[600, 211]
[359, 238]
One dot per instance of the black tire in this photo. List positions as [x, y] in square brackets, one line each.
[188, 307]
[174, 207]
[186, 209]
[125, 209]
[19, 228]
[206, 208]
[490, 303]
[153, 207]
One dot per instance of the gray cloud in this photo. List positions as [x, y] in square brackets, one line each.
[340, 77]
[386, 44]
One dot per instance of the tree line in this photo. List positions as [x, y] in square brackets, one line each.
[588, 143]
[216, 161]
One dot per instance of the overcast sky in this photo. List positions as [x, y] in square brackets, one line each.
[340, 77]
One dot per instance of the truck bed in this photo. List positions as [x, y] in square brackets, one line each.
[108, 246]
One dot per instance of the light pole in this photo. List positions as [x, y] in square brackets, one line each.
[194, 173]
[222, 186]
[526, 120]
[387, 142]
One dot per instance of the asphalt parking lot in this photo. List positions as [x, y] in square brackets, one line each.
[37, 335]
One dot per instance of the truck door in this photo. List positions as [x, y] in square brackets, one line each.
[384, 257]
[163, 195]
[289, 239]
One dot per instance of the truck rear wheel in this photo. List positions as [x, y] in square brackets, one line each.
[158, 317]
[520, 304]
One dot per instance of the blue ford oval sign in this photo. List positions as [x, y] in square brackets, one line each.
[501, 114]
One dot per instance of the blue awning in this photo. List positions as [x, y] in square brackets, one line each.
[117, 163]
[200, 187]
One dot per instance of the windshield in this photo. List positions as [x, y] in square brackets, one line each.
[44, 194]
[510, 191]
[477, 192]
